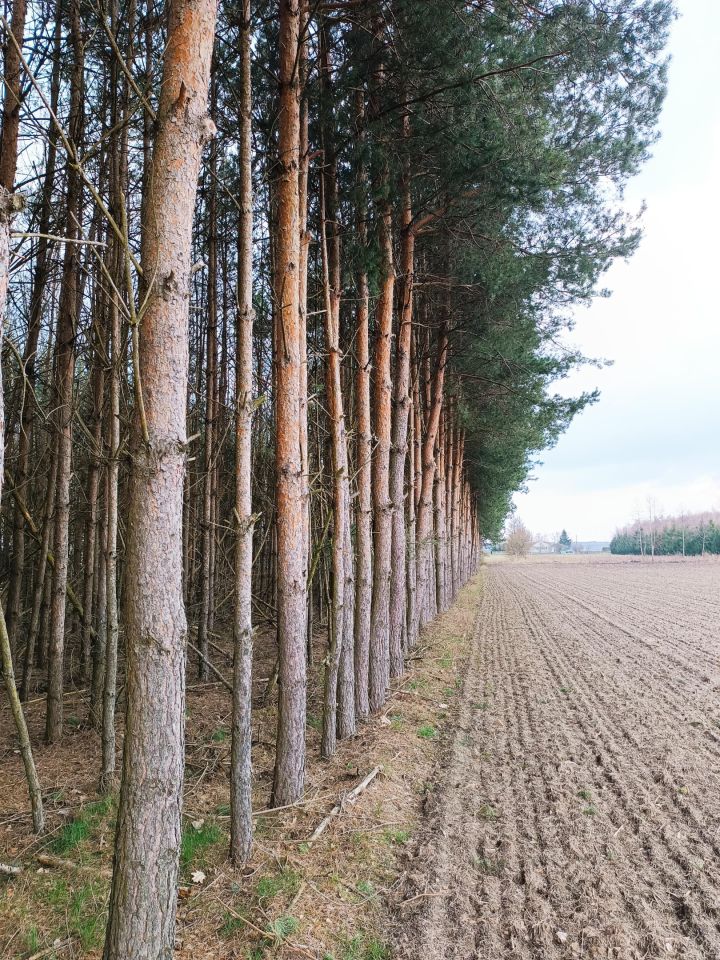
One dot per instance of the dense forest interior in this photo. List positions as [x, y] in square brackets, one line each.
[282, 290]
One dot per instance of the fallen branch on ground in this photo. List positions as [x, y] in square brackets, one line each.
[349, 798]
[60, 863]
[48, 951]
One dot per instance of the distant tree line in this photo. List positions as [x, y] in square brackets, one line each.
[690, 535]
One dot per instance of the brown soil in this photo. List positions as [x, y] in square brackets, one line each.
[577, 812]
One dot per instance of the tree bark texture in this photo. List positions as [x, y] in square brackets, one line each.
[141, 922]
[289, 776]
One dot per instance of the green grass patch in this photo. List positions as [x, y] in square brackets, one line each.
[360, 947]
[281, 928]
[82, 911]
[196, 841]
[367, 889]
[488, 812]
[286, 882]
[32, 940]
[78, 830]
[220, 735]
[398, 837]
[86, 916]
[427, 732]
[71, 835]
[231, 925]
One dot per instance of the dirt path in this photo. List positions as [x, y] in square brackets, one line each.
[577, 809]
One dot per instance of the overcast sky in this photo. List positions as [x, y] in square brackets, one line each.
[656, 429]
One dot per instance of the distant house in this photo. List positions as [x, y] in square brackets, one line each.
[544, 546]
[592, 546]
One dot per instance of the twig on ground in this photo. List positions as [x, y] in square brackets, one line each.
[349, 798]
[420, 896]
[48, 951]
[60, 863]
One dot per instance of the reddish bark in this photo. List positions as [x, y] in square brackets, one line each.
[143, 897]
[289, 777]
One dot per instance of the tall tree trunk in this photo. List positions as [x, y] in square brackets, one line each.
[100, 620]
[401, 412]
[339, 713]
[305, 239]
[143, 898]
[339, 468]
[439, 511]
[241, 759]
[455, 512]
[27, 418]
[40, 574]
[289, 776]
[449, 469]
[116, 359]
[379, 626]
[426, 566]
[207, 534]
[95, 457]
[363, 450]
[9, 205]
[347, 721]
[411, 556]
[12, 102]
[64, 376]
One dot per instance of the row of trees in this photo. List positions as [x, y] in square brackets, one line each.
[282, 324]
[689, 535]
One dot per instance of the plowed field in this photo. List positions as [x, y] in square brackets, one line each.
[577, 809]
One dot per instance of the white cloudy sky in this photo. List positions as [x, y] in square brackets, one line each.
[656, 430]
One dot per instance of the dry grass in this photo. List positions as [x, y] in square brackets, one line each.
[323, 900]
